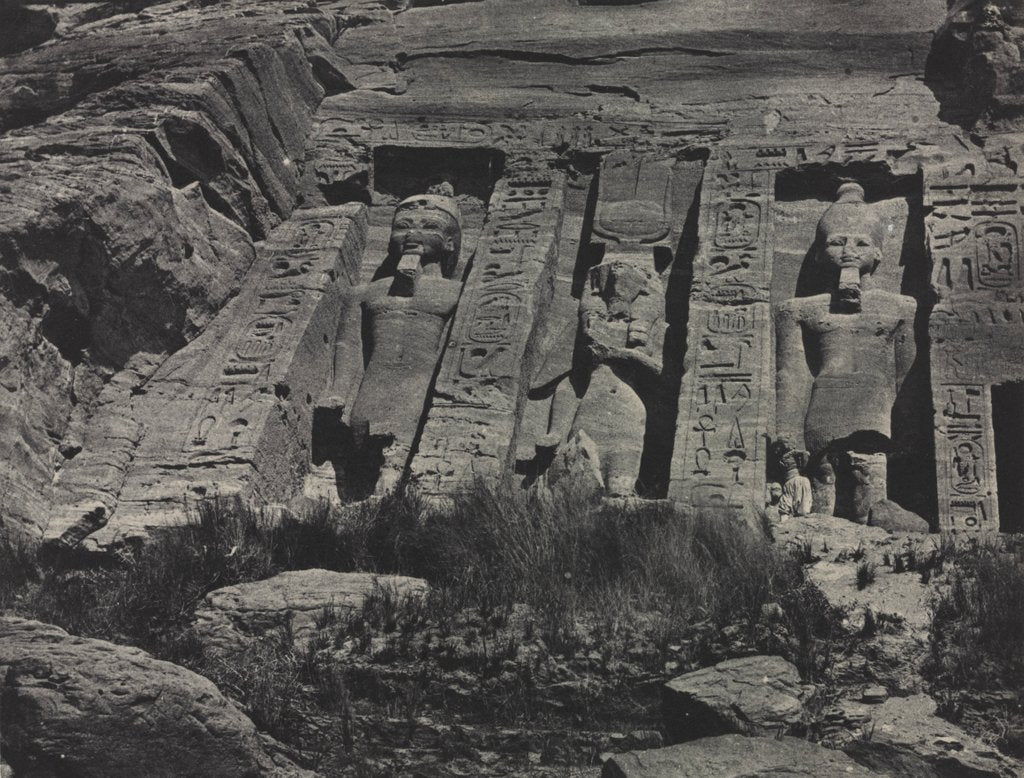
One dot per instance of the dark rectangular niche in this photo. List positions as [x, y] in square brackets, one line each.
[1008, 426]
[405, 171]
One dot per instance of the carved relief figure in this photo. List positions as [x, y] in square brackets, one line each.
[842, 357]
[390, 337]
[622, 330]
[796, 496]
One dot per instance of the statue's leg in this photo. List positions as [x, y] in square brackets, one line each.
[823, 484]
[395, 453]
[615, 418]
[870, 472]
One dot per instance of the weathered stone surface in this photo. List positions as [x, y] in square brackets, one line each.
[976, 62]
[389, 337]
[890, 516]
[231, 413]
[229, 618]
[210, 122]
[22, 27]
[470, 428]
[734, 756]
[906, 734]
[88, 707]
[128, 220]
[838, 547]
[757, 695]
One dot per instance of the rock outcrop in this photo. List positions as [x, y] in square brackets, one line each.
[149, 147]
[230, 618]
[75, 706]
[756, 695]
[154, 148]
[906, 737]
[734, 756]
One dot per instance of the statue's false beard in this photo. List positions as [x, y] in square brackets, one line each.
[847, 298]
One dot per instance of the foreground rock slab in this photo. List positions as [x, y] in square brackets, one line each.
[734, 756]
[756, 695]
[77, 706]
[907, 738]
[232, 617]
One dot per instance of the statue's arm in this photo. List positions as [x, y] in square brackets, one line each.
[347, 364]
[906, 346]
[563, 411]
[793, 379]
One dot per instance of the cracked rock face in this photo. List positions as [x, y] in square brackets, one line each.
[75, 706]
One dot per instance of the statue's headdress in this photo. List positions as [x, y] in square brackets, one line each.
[850, 213]
[440, 197]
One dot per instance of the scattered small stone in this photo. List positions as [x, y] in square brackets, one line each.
[875, 694]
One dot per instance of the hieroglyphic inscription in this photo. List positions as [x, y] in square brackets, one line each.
[723, 431]
[973, 235]
[298, 261]
[725, 402]
[734, 264]
[964, 457]
[229, 412]
[471, 421]
[976, 330]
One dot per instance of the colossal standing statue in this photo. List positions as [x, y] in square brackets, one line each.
[841, 359]
[390, 337]
[622, 328]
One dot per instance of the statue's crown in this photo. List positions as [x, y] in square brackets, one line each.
[440, 197]
[849, 211]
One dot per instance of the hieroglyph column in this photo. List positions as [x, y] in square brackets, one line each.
[480, 389]
[976, 330]
[726, 401]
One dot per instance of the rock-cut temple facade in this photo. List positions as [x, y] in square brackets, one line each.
[666, 250]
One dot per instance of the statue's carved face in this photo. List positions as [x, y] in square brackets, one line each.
[851, 247]
[428, 232]
[620, 284]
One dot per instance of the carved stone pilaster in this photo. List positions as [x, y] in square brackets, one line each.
[726, 401]
[481, 387]
[977, 333]
[231, 413]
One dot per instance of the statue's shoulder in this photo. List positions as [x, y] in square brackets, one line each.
[371, 290]
[892, 301]
[797, 307]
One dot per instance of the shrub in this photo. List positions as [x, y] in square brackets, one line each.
[977, 628]
[17, 567]
[565, 554]
[865, 575]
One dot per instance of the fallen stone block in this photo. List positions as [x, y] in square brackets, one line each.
[757, 695]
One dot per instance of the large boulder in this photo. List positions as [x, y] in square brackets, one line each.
[907, 738]
[83, 707]
[229, 619]
[734, 756]
[756, 695]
